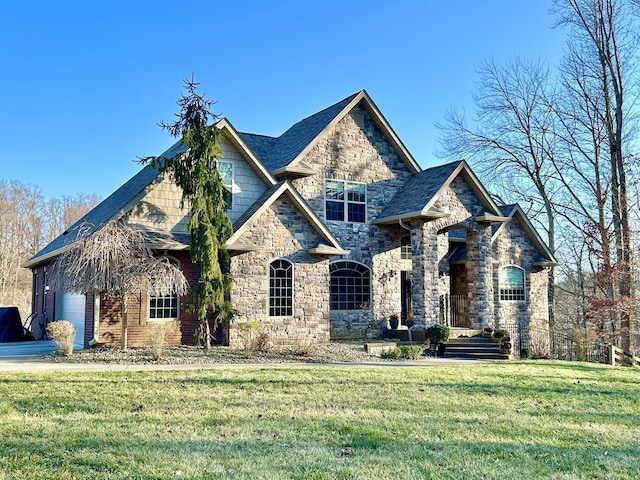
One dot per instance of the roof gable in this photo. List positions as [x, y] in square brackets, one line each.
[419, 194]
[515, 212]
[287, 150]
[240, 226]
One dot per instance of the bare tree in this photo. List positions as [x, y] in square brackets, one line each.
[116, 260]
[600, 73]
[513, 143]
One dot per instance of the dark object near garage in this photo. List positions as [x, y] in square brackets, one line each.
[11, 329]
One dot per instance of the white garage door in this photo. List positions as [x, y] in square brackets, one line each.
[73, 311]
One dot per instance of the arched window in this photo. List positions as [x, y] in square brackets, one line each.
[280, 288]
[165, 307]
[511, 283]
[350, 286]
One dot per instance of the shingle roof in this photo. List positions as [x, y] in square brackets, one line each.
[278, 152]
[109, 208]
[419, 190]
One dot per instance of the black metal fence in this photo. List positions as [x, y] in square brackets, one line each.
[543, 343]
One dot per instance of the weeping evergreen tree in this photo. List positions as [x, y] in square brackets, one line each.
[195, 172]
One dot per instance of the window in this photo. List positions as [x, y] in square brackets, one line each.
[350, 287]
[345, 200]
[511, 283]
[225, 169]
[405, 248]
[280, 288]
[164, 307]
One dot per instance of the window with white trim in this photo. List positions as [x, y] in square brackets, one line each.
[345, 201]
[350, 287]
[280, 288]
[165, 307]
[511, 283]
[225, 169]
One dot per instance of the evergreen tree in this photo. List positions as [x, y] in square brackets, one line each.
[195, 171]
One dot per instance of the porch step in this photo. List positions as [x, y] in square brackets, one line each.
[474, 347]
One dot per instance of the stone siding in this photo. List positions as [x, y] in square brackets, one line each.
[350, 152]
[282, 232]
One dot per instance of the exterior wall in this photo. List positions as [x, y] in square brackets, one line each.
[361, 154]
[160, 209]
[283, 232]
[430, 246]
[140, 329]
[247, 185]
[43, 301]
[512, 246]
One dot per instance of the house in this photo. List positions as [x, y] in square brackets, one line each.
[336, 228]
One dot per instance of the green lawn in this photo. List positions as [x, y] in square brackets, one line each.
[504, 421]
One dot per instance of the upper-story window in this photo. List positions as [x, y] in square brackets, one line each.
[511, 283]
[345, 201]
[405, 248]
[225, 169]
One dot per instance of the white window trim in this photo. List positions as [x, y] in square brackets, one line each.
[228, 187]
[524, 284]
[293, 292]
[346, 200]
[149, 296]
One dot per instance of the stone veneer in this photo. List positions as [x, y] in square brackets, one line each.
[282, 232]
[356, 150]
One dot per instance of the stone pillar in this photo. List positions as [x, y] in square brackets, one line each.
[480, 277]
[426, 304]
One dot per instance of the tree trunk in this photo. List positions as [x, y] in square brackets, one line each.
[125, 314]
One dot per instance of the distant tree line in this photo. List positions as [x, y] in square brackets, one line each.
[28, 222]
[563, 142]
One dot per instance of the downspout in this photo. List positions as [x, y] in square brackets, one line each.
[404, 225]
[96, 319]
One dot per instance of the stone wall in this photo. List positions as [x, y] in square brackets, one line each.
[282, 232]
[358, 151]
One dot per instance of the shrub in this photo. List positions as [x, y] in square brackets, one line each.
[438, 334]
[158, 340]
[304, 347]
[583, 340]
[63, 333]
[390, 354]
[252, 338]
[525, 353]
[411, 352]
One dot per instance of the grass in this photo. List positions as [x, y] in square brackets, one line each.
[506, 420]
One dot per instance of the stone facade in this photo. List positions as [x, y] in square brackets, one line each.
[356, 150]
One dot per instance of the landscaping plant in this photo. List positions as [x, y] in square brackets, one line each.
[63, 334]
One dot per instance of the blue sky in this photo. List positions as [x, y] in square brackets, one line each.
[83, 84]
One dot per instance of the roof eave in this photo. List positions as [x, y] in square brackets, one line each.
[326, 250]
[293, 171]
[490, 218]
[420, 214]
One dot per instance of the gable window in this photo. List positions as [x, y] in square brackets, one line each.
[165, 307]
[280, 288]
[405, 248]
[511, 283]
[225, 169]
[345, 201]
[350, 287]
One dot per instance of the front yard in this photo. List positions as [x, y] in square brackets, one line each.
[503, 420]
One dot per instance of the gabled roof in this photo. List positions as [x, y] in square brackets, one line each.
[250, 216]
[514, 211]
[416, 198]
[286, 151]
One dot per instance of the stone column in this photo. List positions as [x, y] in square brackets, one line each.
[480, 276]
[424, 246]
